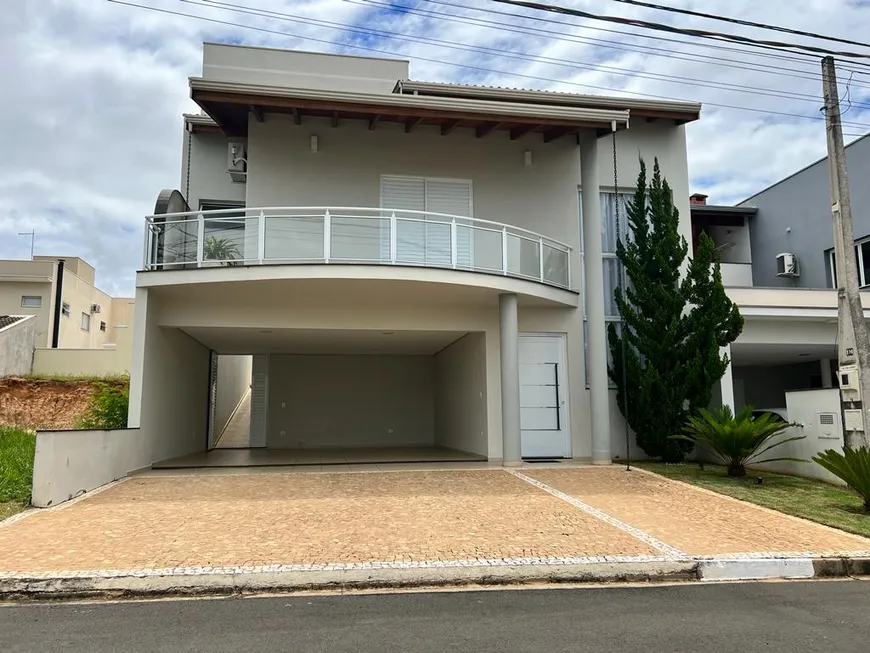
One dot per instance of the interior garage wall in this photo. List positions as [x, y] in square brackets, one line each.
[233, 382]
[460, 395]
[765, 387]
[351, 401]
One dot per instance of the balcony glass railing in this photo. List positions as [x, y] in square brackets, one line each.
[286, 235]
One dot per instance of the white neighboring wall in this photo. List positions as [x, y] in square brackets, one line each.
[804, 407]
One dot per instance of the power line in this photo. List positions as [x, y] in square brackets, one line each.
[738, 21]
[661, 27]
[565, 63]
[693, 57]
[461, 65]
[797, 57]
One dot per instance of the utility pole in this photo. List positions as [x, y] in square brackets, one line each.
[854, 343]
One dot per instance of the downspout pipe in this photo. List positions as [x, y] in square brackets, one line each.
[58, 305]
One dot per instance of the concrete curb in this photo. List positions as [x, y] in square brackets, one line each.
[223, 583]
[204, 584]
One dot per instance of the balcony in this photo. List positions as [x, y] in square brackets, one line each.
[736, 274]
[342, 235]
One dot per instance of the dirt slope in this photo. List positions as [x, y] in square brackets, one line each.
[40, 404]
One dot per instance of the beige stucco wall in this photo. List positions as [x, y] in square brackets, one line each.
[11, 293]
[460, 395]
[351, 400]
[108, 361]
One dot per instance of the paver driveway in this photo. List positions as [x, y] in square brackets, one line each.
[163, 522]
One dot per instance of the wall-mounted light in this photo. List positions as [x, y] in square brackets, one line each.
[314, 143]
[527, 158]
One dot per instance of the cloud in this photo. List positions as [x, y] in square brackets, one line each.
[94, 91]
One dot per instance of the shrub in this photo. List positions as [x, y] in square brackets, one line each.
[737, 440]
[17, 447]
[851, 466]
[108, 408]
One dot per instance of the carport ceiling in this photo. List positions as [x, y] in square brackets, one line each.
[746, 355]
[226, 340]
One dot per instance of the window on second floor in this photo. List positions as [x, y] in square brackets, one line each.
[102, 326]
[31, 301]
[86, 322]
[862, 262]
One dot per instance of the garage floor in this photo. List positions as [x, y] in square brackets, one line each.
[331, 456]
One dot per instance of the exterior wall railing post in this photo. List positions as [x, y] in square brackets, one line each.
[504, 251]
[261, 237]
[327, 236]
[200, 239]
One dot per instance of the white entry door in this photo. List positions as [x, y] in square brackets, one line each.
[543, 397]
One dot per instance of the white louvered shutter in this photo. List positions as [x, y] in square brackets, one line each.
[404, 194]
[453, 198]
[259, 400]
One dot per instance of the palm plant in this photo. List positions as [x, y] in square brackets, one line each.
[738, 440]
[220, 249]
[851, 466]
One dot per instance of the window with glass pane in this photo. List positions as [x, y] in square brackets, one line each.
[608, 219]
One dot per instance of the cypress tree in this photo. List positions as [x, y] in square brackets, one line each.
[666, 355]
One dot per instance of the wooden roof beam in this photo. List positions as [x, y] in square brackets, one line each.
[373, 121]
[557, 132]
[258, 115]
[484, 128]
[411, 123]
[448, 126]
[297, 117]
[335, 118]
[522, 130]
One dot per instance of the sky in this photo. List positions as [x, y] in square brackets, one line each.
[93, 91]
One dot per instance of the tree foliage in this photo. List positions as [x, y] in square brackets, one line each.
[666, 357]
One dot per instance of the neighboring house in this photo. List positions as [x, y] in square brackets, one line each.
[71, 312]
[794, 216]
[403, 260]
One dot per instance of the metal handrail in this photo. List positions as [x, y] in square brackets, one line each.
[256, 211]
[165, 249]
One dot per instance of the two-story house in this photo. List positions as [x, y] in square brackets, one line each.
[60, 291]
[776, 249]
[419, 270]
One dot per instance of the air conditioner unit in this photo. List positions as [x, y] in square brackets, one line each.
[787, 266]
[95, 308]
[237, 164]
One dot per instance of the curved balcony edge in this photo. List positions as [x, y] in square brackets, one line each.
[424, 276]
[384, 237]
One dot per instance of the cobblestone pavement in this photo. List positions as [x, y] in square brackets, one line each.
[693, 520]
[192, 521]
[404, 517]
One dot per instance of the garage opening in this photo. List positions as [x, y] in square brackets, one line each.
[337, 397]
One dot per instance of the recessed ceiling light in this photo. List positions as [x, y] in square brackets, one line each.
[388, 333]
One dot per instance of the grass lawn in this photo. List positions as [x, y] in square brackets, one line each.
[802, 497]
[16, 469]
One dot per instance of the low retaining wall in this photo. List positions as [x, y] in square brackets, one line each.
[16, 346]
[70, 463]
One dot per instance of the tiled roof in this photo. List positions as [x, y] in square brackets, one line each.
[9, 320]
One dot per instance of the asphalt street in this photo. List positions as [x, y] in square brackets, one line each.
[771, 617]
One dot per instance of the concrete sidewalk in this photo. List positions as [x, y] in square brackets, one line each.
[261, 531]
